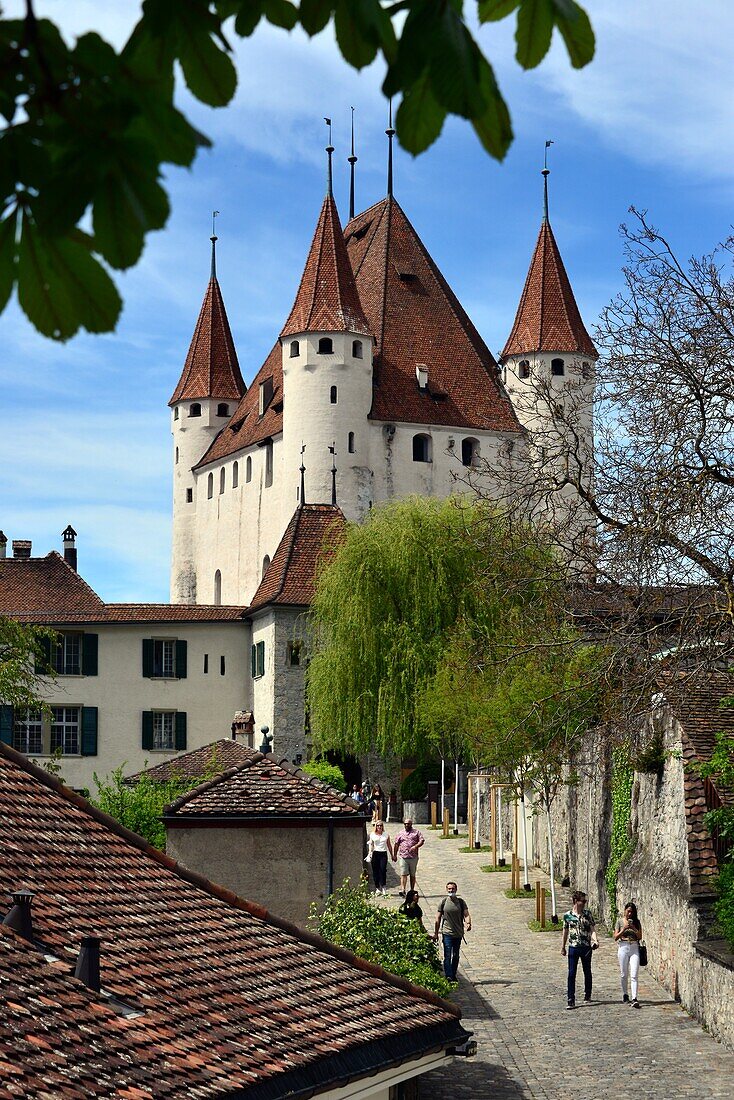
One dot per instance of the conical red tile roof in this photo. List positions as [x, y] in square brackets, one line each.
[327, 298]
[548, 318]
[211, 368]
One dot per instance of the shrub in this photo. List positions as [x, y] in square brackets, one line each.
[327, 773]
[414, 787]
[382, 936]
[139, 807]
[724, 907]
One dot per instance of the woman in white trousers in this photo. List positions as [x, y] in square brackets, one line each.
[628, 933]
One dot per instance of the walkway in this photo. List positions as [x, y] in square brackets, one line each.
[512, 995]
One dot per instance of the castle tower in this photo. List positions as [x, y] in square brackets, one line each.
[326, 348]
[204, 399]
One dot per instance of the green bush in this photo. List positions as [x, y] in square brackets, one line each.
[621, 846]
[327, 773]
[382, 936]
[414, 787]
[724, 907]
[139, 807]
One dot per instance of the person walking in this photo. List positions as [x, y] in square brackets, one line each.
[411, 909]
[452, 920]
[579, 933]
[377, 851]
[377, 798]
[627, 934]
[405, 849]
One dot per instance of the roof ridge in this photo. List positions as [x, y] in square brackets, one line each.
[74, 573]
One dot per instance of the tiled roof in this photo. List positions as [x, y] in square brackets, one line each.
[327, 298]
[216, 757]
[263, 786]
[172, 613]
[548, 318]
[416, 318]
[230, 1000]
[309, 540]
[211, 368]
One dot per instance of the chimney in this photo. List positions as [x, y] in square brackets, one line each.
[3, 545]
[22, 548]
[69, 537]
[19, 917]
[87, 963]
[244, 726]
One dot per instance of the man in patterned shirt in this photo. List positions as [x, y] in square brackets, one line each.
[579, 932]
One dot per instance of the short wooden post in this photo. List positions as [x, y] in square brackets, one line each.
[434, 815]
[446, 822]
[515, 873]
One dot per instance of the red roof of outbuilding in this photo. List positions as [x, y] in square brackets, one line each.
[312, 535]
[548, 318]
[211, 760]
[211, 368]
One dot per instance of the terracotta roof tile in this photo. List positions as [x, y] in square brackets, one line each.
[230, 1000]
[217, 756]
[263, 785]
[211, 368]
[309, 540]
[548, 318]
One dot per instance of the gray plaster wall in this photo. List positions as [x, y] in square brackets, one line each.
[282, 869]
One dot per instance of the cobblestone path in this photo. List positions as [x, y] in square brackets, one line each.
[513, 995]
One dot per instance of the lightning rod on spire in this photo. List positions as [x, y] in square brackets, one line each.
[546, 173]
[329, 152]
[302, 494]
[390, 135]
[332, 452]
[214, 238]
[352, 161]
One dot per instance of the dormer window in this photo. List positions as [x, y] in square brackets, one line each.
[356, 349]
[421, 376]
[265, 395]
[558, 368]
[295, 349]
[523, 369]
[195, 409]
[223, 409]
[326, 345]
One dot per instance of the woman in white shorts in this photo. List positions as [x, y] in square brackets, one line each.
[628, 933]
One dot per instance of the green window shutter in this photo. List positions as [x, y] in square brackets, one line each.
[6, 724]
[89, 729]
[43, 661]
[180, 742]
[147, 657]
[261, 658]
[90, 646]
[147, 742]
[181, 660]
[253, 661]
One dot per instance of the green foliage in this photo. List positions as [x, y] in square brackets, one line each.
[515, 894]
[139, 806]
[414, 787]
[382, 936]
[724, 907]
[536, 926]
[651, 758]
[327, 773]
[89, 129]
[720, 769]
[22, 651]
[491, 869]
[621, 844]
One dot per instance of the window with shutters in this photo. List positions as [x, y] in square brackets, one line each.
[164, 658]
[163, 729]
[65, 728]
[69, 730]
[258, 660]
[66, 654]
[28, 731]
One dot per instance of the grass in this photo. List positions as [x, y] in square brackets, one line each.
[484, 848]
[452, 836]
[519, 894]
[490, 868]
[535, 926]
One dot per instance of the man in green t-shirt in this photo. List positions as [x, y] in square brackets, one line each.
[452, 919]
[579, 933]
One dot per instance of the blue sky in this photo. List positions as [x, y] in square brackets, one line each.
[85, 437]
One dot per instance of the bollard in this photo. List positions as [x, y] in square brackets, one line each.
[434, 815]
[446, 823]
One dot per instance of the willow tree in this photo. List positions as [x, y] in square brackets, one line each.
[403, 584]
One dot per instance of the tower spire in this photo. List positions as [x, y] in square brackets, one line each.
[329, 153]
[546, 173]
[214, 238]
[332, 452]
[390, 135]
[302, 494]
[352, 161]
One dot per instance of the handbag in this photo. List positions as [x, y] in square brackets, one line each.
[643, 954]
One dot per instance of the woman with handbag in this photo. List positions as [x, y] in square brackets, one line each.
[627, 934]
[377, 851]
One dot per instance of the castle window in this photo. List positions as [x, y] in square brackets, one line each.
[350, 443]
[268, 463]
[223, 409]
[470, 452]
[195, 409]
[189, 496]
[175, 413]
[222, 479]
[293, 654]
[326, 345]
[332, 395]
[295, 349]
[558, 368]
[421, 376]
[523, 369]
[206, 664]
[356, 349]
[235, 475]
[210, 487]
[266, 563]
[421, 448]
[217, 588]
[177, 456]
[248, 469]
[222, 665]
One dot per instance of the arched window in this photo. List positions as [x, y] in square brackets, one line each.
[235, 475]
[268, 463]
[523, 369]
[421, 448]
[175, 413]
[350, 443]
[266, 563]
[223, 409]
[332, 395]
[558, 368]
[326, 345]
[217, 588]
[177, 456]
[195, 409]
[295, 349]
[470, 452]
[210, 486]
[248, 469]
[356, 349]
[222, 479]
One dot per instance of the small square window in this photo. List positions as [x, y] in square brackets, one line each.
[293, 654]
